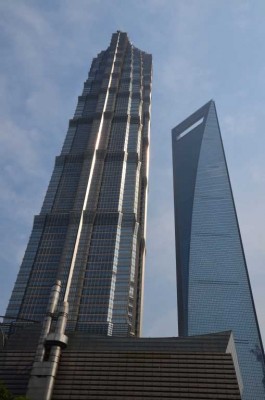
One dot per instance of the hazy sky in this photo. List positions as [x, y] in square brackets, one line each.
[202, 49]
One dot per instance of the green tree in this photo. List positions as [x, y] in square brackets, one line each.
[4, 392]
[21, 398]
[6, 395]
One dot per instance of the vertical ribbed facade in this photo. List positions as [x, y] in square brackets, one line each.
[90, 233]
[214, 292]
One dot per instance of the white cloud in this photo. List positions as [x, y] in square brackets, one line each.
[240, 124]
[47, 49]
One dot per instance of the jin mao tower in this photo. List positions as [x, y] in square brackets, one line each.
[90, 233]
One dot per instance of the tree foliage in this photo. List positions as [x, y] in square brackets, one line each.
[5, 394]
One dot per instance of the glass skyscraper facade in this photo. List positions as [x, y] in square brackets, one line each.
[90, 233]
[214, 292]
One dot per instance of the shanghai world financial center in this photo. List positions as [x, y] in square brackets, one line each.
[91, 231]
[214, 291]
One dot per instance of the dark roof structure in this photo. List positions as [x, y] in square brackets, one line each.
[95, 367]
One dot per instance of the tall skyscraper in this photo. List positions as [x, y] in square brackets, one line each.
[214, 292]
[83, 270]
[90, 233]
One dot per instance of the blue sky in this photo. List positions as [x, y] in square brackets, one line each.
[201, 50]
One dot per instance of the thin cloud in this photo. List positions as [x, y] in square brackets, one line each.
[201, 50]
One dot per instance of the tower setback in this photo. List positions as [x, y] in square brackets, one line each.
[90, 233]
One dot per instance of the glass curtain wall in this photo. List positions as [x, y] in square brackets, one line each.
[90, 233]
